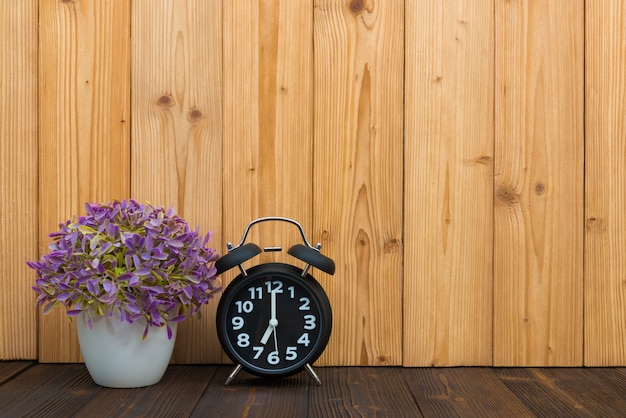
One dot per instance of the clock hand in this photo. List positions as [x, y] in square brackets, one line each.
[275, 341]
[273, 320]
[273, 308]
[267, 334]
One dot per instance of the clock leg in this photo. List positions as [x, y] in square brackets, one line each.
[232, 375]
[313, 374]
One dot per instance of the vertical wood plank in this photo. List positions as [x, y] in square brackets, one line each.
[605, 184]
[84, 152]
[358, 174]
[177, 130]
[268, 100]
[18, 178]
[539, 169]
[448, 183]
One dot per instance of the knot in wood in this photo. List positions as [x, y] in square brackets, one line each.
[194, 115]
[483, 160]
[594, 224]
[166, 100]
[506, 196]
[392, 245]
[540, 188]
[356, 6]
[382, 359]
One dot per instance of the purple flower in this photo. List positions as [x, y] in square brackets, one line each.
[140, 260]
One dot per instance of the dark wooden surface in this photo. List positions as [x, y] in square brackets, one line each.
[29, 389]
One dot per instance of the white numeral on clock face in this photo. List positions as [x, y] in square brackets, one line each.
[309, 322]
[304, 339]
[257, 352]
[291, 353]
[256, 292]
[306, 304]
[244, 307]
[276, 286]
[272, 358]
[243, 340]
[237, 323]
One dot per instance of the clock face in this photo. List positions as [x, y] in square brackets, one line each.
[274, 321]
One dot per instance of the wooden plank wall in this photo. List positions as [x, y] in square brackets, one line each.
[538, 182]
[358, 174]
[448, 183]
[84, 126]
[605, 183]
[176, 115]
[18, 177]
[462, 161]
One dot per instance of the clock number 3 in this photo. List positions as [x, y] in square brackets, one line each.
[309, 322]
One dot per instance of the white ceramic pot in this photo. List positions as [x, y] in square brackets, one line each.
[117, 357]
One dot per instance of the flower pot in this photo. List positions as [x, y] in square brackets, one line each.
[116, 356]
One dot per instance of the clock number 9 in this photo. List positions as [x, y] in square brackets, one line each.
[237, 323]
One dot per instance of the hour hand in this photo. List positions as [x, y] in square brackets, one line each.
[268, 333]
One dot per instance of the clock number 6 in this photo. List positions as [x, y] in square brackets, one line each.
[272, 358]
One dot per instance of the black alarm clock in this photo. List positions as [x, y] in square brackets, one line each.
[274, 319]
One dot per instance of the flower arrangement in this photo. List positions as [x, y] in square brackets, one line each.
[138, 260]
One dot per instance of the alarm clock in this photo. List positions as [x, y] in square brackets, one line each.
[274, 319]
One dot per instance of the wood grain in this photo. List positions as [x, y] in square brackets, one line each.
[358, 175]
[250, 396]
[10, 369]
[175, 395]
[567, 391]
[461, 161]
[268, 100]
[539, 166]
[463, 392]
[177, 130]
[18, 178]
[67, 387]
[199, 391]
[267, 121]
[605, 183]
[448, 191]
[84, 136]
[362, 392]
